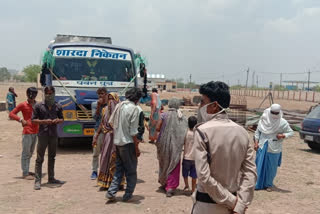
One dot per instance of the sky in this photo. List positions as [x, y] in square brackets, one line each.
[209, 39]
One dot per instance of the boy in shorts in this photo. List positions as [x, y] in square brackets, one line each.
[188, 165]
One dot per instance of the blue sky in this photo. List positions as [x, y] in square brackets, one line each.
[210, 39]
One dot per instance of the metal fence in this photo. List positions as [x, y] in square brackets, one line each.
[308, 96]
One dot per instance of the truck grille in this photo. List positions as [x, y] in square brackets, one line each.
[81, 115]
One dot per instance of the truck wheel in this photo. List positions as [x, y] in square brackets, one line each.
[60, 142]
[313, 145]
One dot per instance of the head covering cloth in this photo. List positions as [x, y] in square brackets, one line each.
[269, 123]
[170, 143]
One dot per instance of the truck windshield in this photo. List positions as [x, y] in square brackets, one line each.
[315, 113]
[93, 69]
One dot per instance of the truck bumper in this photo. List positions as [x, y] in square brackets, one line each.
[310, 136]
[73, 129]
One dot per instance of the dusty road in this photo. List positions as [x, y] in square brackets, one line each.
[298, 182]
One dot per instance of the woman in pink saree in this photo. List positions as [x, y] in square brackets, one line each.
[108, 152]
[155, 115]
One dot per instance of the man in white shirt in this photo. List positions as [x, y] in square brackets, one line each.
[125, 123]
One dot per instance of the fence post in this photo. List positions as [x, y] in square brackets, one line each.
[288, 95]
[300, 95]
[306, 95]
[313, 96]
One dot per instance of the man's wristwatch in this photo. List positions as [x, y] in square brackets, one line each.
[20, 120]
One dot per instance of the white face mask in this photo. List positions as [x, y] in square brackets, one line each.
[275, 116]
[204, 116]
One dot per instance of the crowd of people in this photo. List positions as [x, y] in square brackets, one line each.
[216, 152]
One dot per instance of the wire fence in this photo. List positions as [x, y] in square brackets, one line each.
[307, 96]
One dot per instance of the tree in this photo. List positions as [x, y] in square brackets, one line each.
[31, 72]
[4, 74]
[316, 88]
[19, 78]
[279, 88]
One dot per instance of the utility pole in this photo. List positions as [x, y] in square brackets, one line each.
[309, 80]
[247, 80]
[257, 81]
[253, 78]
[280, 80]
[190, 83]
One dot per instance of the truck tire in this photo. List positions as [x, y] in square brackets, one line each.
[313, 145]
[60, 142]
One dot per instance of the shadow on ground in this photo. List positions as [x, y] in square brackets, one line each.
[75, 146]
[177, 192]
[140, 181]
[20, 177]
[136, 199]
[311, 151]
[277, 189]
[52, 185]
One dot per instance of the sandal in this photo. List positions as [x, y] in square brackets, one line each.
[186, 189]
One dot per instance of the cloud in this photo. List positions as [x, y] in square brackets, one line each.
[297, 24]
[205, 38]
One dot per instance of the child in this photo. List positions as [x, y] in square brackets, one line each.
[188, 165]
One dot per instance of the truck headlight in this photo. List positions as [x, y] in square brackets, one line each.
[69, 115]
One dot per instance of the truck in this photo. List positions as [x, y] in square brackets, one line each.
[77, 66]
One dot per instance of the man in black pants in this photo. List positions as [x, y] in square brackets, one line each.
[47, 114]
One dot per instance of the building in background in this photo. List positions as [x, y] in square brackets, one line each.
[168, 85]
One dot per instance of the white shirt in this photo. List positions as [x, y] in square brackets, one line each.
[274, 145]
[128, 124]
[188, 146]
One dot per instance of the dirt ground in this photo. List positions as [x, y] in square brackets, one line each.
[297, 181]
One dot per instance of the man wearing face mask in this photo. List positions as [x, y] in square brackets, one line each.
[271, 131]
[47, 114]
[223, 156]
[29, 134]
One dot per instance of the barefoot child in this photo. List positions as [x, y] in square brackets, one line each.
[188, 165]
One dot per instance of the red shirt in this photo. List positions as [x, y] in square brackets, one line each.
[26, 110]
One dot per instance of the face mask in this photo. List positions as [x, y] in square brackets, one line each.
[49, 99]
[274, 116]
[199, 117]
[203, 115]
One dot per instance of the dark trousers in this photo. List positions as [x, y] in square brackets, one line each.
[43, 143]
[126, 164]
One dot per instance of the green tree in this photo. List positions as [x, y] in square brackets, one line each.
[4, 74]
[19, 78]
[31, 72]
[316, 88]
[279, 88]
[236, 87]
